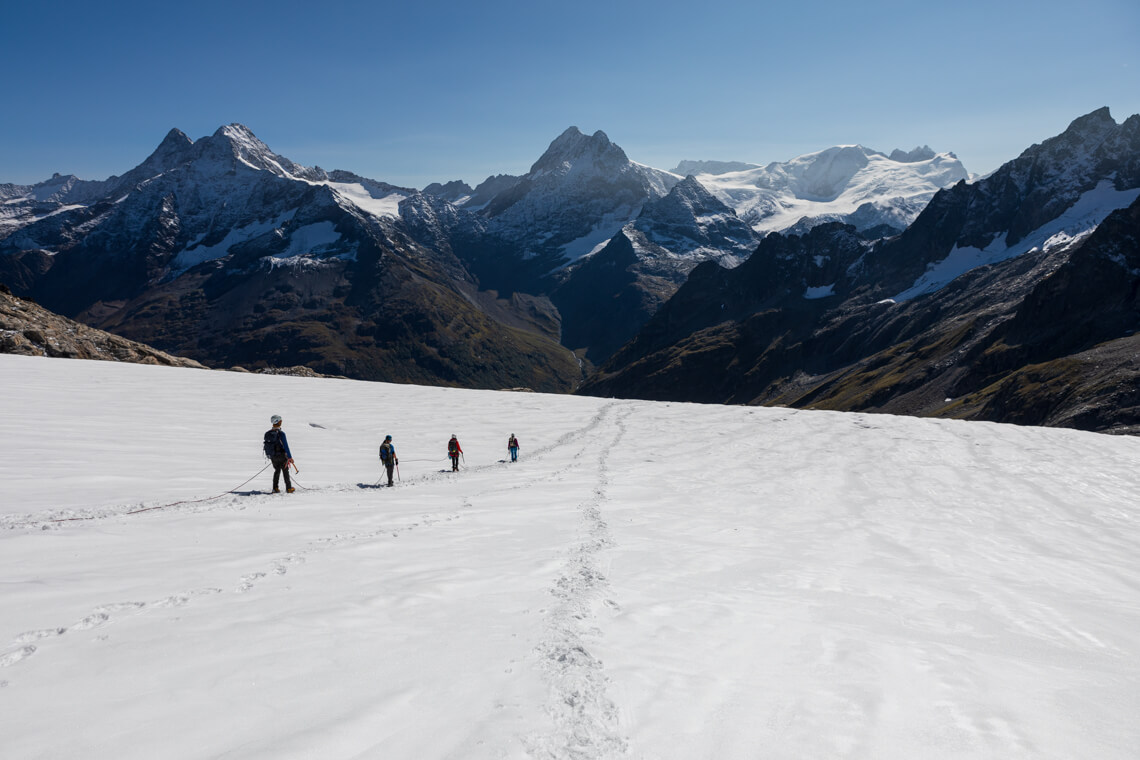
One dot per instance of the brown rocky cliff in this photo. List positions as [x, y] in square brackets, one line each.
[31, 330]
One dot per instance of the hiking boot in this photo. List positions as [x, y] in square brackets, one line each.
[276, 490]
[290, 489]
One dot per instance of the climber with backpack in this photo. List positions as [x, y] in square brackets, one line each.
[276, 447]
[513, 447]
[388, 457]
[453, 451]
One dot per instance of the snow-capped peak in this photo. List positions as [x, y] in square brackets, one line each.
[243, 137]
[577, 196]
[239, 142]
[573, 147]
[835, 183]
[175, 141]
[174, 150]
[692, 194]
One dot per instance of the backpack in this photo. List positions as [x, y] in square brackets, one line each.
[452, 447]
[272, 445]
[385, 452]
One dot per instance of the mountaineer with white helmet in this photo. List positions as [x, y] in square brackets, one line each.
[276, 447]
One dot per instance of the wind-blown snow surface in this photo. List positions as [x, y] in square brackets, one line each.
[649, 581]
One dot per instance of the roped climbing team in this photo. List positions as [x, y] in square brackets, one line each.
[276, 447]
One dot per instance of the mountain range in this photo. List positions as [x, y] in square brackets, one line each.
[1013, 298]
[223, 251]
[834, 279]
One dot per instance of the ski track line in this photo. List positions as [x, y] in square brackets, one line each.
[586, 721]
[103, 613]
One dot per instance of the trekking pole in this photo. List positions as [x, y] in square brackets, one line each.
[295, 467]
[398, 473]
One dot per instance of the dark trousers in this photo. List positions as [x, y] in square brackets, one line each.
[389, 466]
[281, 465]
[454, 461]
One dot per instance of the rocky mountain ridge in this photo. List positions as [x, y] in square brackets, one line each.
[1013, 298]
[223, 251]
[668, 224]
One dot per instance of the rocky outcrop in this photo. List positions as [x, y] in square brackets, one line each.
[28, 329]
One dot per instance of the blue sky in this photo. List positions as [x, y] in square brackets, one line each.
[415, 92]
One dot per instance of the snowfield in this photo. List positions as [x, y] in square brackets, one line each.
[835, 183]
[650, 580]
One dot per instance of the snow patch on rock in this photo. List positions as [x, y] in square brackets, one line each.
[1077, 222]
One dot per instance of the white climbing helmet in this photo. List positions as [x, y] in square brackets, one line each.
[275, 419]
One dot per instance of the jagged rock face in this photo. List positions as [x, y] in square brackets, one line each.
[455, 192]
[1038, 333]
[486, 190]
[1049, 178]
[1076, 178]
[1089, 298]
[691, 219]
[607, 297]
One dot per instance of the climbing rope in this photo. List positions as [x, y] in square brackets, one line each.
[171, 504]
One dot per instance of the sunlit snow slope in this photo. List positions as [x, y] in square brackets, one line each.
[648, 581]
